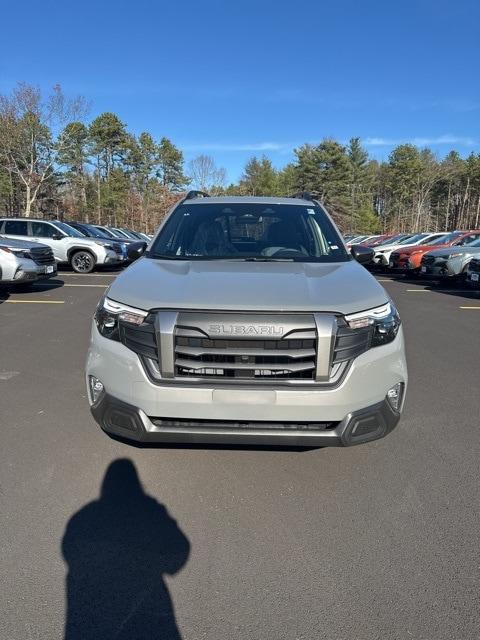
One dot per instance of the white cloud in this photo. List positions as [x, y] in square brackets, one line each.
[248, 146]
[420, 141]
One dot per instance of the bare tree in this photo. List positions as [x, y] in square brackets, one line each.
[30, 137]
[205, 175]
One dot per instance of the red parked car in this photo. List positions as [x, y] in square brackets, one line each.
[408, 260]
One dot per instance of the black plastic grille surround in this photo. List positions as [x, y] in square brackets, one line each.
[428, 260]
[42, 256]
[350, 343]
[474, 265]
[140, 338]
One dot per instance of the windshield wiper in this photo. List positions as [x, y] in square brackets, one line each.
[265, 259]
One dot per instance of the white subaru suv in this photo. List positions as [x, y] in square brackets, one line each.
[247, 321]
[69, 246]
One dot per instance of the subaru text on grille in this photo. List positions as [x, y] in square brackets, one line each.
[247, 320]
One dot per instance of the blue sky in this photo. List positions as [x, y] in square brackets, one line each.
[236, 79]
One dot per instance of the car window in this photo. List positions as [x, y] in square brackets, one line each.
[16, 227]
[468, 239]
[43, 230]
[255, 231]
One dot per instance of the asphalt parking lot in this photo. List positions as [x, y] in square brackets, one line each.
[375, 541]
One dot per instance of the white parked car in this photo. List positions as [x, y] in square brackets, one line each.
[383, 252]
[22, 262]
[69, 246]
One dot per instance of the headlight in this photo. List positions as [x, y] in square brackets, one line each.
[453, 255]
[104, 244]
[384, 321]
[109, 313]
[22, 253]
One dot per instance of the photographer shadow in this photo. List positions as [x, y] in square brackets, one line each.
[118, 548]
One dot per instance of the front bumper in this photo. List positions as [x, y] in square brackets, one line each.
[473, 279]
[131, 423]
[441, 269]
[44, 273]
[112, 257]
[363, 388]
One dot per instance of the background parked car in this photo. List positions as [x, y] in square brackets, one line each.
[450, 262]
[23, 262]
[408, 260]
[91, 231]
[383, 251]
[69, 246]
[473, 273]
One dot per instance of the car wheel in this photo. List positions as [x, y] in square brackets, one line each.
[82, 262]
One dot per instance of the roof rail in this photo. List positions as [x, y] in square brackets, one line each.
[303, 195]
[196, 194]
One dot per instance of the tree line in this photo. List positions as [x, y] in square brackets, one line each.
[56, 163]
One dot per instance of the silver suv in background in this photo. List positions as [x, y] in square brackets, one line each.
[23, 262]
[247, 321]
[449, 263]
[69, 246]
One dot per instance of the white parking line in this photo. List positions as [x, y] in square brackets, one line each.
[67, 284]
[86, 275]
[469, 308]
[102, 286]
[35, 301]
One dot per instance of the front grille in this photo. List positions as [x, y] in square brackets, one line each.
[117, 248]
[394, 256]
[245, 359]
[474, 265]
[42, 256]
[309, 348]
[244, 425]
[428, 261]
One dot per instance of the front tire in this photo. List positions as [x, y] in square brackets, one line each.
[82, 262]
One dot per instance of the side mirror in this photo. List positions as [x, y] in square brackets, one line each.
[58, 236]
[362, 254]
[136, 250]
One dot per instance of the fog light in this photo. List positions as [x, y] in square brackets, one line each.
[96, 388]
[394, 396]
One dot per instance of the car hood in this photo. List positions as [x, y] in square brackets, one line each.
[453, 249]
[344, 287]
[20, 244]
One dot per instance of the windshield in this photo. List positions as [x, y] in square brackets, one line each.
[70, 231]
[475, 243]
[120, 233]
[107, 232]
[413, 239]
[134, 235]
[448, 237]
[96, 233]
[430, 239]
[249, 232]
[396, 239]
